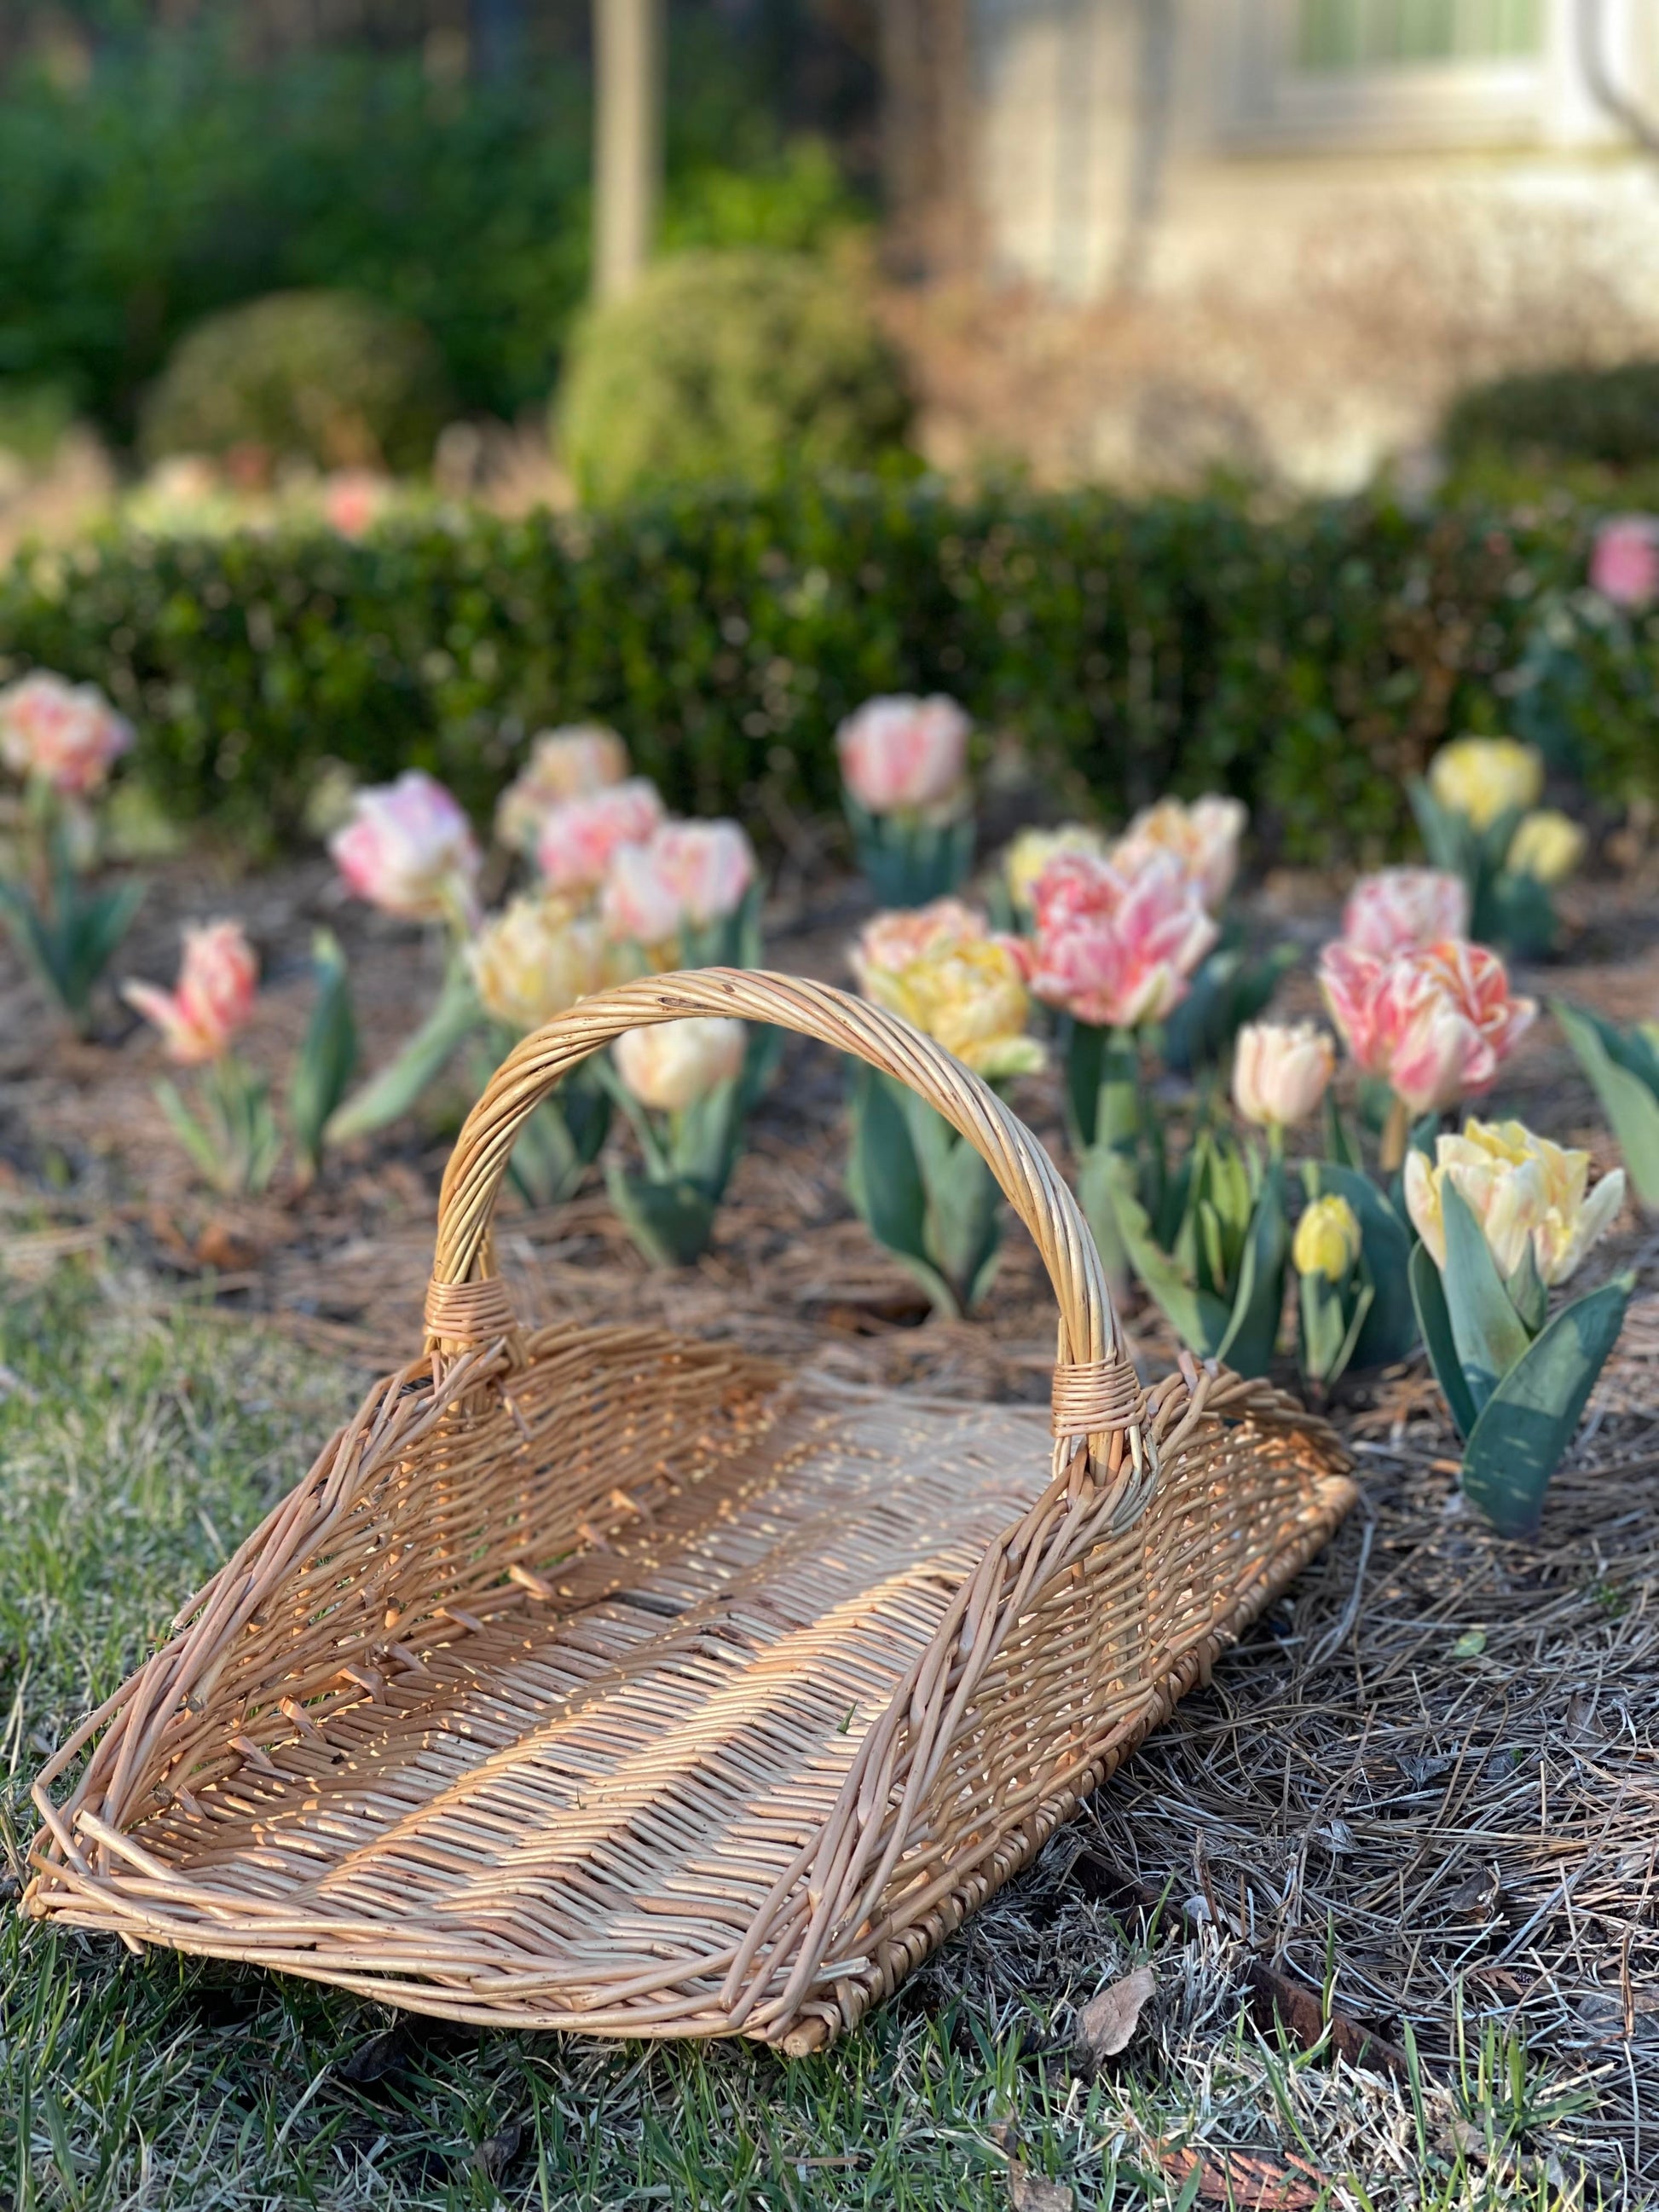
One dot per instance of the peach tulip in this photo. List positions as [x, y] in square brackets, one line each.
[889, 943]
[1203, 838]
[1281, 1072]
[535, 959]
[937, 967]
[574, 761]
[1624, 562]
[212, 1000]
[578, 840]
[66, 734]
[1114, 950]
[903, 754]
[1403, 910]
[690, 873]
[1436, 1024]
[670, 1064]
[409, 850]
[1521, 1189]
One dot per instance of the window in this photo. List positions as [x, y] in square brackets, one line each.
[1364, 34]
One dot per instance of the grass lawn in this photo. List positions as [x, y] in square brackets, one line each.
[137, 1443]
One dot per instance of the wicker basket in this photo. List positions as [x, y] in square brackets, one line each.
[596, 1680]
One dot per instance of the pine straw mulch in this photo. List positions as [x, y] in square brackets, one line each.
[1428, 1779]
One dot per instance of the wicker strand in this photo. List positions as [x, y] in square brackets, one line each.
[475, 1313]
[1090, 1396]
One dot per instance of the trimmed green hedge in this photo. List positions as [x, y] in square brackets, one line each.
[1307, 663]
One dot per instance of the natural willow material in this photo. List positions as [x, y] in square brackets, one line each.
[596, 1680]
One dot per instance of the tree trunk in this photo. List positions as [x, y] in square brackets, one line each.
[627, 68]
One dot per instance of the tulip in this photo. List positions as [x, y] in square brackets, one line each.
[1115, 950]
[1281, 1072]
[904, 755]
[578, 839]
[889, 942]
[1521, 1189]
[1328, 1240]
[534, 959]
[690, 873]
[1482, 778]
[1403, 910]
[574, 761]
[212, 999]
[970, 995]
[1031, 851]
[1435, 1025]
[67, 735]
[1624, 562]
[1203, 838]
[409, 850]
[1547, 846]
[672, 1065]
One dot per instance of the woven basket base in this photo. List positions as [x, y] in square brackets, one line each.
[570, 1816]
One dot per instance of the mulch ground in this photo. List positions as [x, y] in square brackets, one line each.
[1427, 1780]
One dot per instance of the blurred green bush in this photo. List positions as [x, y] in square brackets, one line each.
[1608, 416]
[326, 377]
[173, 183]
[740, 366]
[1308, 663]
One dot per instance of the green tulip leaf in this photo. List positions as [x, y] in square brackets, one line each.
[1630, 1101]
[327, 1056]
[1490, 1335]
[1389, 1330]
[1200, 1319]
[885, 1180]
[397, 1088]
[1532, 1415]
[1429, 1296]
[671, 1222]
[1252, 1329]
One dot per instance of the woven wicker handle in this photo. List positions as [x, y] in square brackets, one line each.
[1095, 1389]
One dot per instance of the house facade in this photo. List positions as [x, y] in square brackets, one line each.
[1295, 226]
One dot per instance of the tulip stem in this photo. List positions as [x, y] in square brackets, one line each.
[1396, 1130]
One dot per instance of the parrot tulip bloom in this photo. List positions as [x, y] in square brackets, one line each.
[1112, 950]
[903, 754]
[889, 942]
[1281, 1072]
[1547, 846]
[1328, 1240]
[1403, 909]
[1523, 1191]
[1624, 562]
[578, 840]
[1030, 852]
[212, 1000]
[409, 850]
[1435, 1025]
[970, 993]
[1203, 838]
[67, 735]
[1482, 778]
[574, 761]
[672, 1065]
[691, 873]
[534, 959]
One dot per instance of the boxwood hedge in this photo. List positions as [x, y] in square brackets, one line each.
[1308, 662]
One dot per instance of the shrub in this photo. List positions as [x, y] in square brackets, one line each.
[1308, 664]
[1609, 416]
[740, 365]
[318, 376]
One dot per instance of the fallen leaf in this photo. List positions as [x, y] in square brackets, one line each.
[1034, 2193]
[497, 2151]
[1470, 1645]
[375, 2057]
[1106, 2023]
[226, 1249]
[1241, 2181]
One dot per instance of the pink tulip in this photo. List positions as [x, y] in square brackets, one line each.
[1403, 909]
[904, 755]
[1624, 561]
[1117, 950]
[578, 840]
[1436, 1024]
[410, 850]
[691, 872]
[1203, 837]
[67, 734]
[212, 999]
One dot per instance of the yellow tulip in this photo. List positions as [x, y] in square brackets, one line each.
[1522, 1190]
[969, 994]
[535, 959]
[1327, 1240]
[1546, 846]
[1482, 778]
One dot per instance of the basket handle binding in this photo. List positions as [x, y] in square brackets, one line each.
[1096, 1394]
